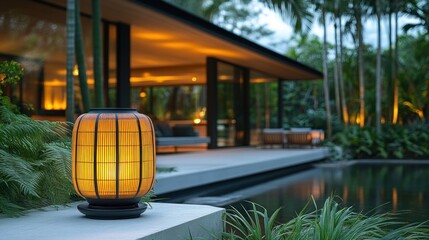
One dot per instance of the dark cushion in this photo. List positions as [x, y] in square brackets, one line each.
[158, 132]
[164, 130]
[184, 130]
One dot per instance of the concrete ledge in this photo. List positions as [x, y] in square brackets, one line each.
[197, 169]
[162, 221]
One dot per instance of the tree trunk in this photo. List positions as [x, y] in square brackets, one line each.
[96, 40]
[340, 75]
[427, 103]
[80, 61]
[395, 73]
[336, 83]
[70, 60]
[378, 77]
[389, 86]
[361, 71]
[325, 78]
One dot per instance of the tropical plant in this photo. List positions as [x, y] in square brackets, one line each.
[330, 222]
[395, 141]
[34, 163]
[10, 74]
[294, 12]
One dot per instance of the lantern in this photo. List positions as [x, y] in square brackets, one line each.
[113, 162]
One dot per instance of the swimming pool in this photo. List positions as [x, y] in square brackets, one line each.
[366, 187]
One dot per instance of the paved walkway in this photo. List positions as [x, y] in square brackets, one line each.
[201, 168]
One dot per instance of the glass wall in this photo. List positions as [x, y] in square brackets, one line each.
[34, 34]
[230, 101]
[263, 104]
[166, 103]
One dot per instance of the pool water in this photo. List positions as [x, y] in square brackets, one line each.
[365, 187]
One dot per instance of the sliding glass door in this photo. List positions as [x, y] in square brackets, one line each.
[230, 106]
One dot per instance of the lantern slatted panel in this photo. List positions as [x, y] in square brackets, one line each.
[113, 155]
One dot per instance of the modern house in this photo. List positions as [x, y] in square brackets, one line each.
[159, 59]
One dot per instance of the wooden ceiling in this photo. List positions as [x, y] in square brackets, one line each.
[159, 40]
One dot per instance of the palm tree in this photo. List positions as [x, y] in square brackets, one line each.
[325, 75]
[418, 9]
[359, 32]
[336, 81]
[378, 78]
[80, 60]
[339, 83]
[355, 16]
[395, 71]
[339, 61]
[389, 84]
[70, 59]
[293, 11]
[97, 52]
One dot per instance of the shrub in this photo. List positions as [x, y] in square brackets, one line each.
[394, 142]
[35, 167]
[331, 222]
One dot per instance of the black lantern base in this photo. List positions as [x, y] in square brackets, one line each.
[112, 212]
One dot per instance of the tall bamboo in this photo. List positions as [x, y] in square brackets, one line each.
[97, 52]
[80, 61]
[70, 21]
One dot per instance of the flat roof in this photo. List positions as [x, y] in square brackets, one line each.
[208, 27]
[166, 37]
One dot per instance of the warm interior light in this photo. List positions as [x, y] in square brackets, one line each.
[194, 79]
[113, 162]
[143, 95]
[75, 71]
[54, 95]
[197, 120]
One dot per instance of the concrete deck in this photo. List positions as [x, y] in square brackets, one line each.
[162, 221]
[201, 168]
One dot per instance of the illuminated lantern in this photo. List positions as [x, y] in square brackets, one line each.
[113, 162]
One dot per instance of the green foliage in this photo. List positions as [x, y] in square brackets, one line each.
[394, 142]
[10, 74]
[35, 167]
[331, 222]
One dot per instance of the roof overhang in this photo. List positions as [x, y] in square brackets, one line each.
[164, 35]
[254, 56]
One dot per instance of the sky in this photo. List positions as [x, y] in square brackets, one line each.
[283, 31]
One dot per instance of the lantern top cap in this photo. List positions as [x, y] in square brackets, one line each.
[112, 110]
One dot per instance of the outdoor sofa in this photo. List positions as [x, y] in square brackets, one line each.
[178, 135]
[295, 137]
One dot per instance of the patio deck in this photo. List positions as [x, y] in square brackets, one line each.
[202, 168]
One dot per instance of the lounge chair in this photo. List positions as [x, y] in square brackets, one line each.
[273, 136]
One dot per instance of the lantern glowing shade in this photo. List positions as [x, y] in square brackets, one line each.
[113, 162]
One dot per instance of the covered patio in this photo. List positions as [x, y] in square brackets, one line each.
[202, 168]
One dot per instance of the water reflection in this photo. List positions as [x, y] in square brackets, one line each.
[379, 188]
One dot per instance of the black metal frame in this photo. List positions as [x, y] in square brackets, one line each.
[241, 91]
[280, 102]
[211, 79]
[123, 65]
